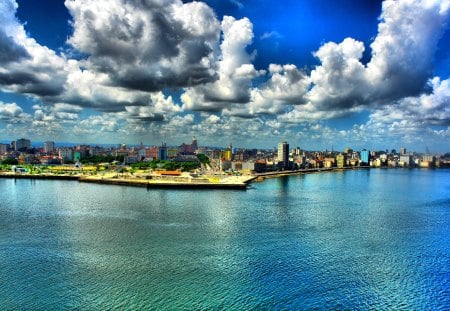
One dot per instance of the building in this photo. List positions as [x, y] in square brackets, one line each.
[428, 161]
[66, 154]
[402, 151]
[194, 145]
[188, 149]
[341, 160]
[23, 144]
[283, 155]
[3, 148]
[94, 151]
[49, 147]
[226, 155]
[405, 160]
[365, 157]
[162, 152]
[329, 162]
[172, 153]
[152, 152]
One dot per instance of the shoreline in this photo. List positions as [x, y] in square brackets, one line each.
[228, 182]
[307, 171]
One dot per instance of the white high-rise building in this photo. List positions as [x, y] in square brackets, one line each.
[49, 146]
[3, 148]
[283, 155]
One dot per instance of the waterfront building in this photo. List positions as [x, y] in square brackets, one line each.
[365, 157]
[329, 162]
[341, 160]
[428, 161]
[22, 144]
[49, 147]
[248, 167]
[283, 155]
[260, 166]
[428, 158]
[405, 160]
[392, 163]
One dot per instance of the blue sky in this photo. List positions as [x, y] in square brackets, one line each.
[319, 74]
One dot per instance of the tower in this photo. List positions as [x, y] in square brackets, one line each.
[194, 145]
[283, 155]
[49, 146]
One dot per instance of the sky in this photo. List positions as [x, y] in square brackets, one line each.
[320, 74]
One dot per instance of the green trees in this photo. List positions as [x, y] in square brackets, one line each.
[101, 159]
[203, 159]
[10, 161]
[167, 165]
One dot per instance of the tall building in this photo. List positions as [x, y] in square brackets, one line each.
[341, 160]
[49, 146]
[3, 148]
[162, 152]
[365, 157]
[283, 155]
[23, 144]
[402, 151]
[194, 145]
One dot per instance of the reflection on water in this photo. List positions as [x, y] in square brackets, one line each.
[347, 240]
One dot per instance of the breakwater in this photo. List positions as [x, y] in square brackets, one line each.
[233, 182]
[166, 184]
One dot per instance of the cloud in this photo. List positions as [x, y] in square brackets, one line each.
[425, 110]
[269, 35]
[403, 51]
[400, 66]
[235, 71]
[10, 50]
[10, 112]
[238, 4]
[146, 45]
[340, 79]
[132, 54]
[26, 66]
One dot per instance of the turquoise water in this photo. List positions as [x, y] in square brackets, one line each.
[375, 239]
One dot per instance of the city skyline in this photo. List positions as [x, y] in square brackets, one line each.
[319, 75]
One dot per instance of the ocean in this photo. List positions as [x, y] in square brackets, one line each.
[365, 239]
